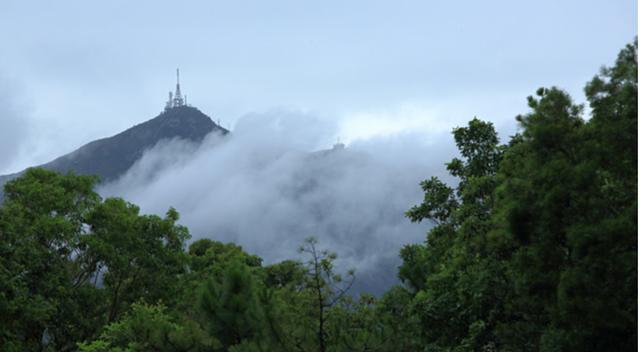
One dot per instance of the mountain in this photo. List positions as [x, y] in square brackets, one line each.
[109, 158]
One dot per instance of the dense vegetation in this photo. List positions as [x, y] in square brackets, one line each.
[535, 249]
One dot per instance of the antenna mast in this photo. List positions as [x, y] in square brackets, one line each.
[176, 100]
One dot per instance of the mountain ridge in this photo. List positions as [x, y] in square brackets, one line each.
[110, 157]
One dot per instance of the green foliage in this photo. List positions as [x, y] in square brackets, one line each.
[574, 263]
[537, 249]
[232, 308]
[325, 288]
[142, 254]
[288, 273]
[394, 312]
[458, 288]
[41, 286]
[211, 256]
[207, 260]
[58, 240]
[534, 249]
[439, 202]
[149, 328]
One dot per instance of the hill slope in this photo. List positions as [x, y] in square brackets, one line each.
[109, 158]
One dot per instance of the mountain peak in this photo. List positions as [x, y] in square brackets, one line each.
[109, 158]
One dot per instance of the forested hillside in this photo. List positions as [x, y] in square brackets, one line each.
[535, 249]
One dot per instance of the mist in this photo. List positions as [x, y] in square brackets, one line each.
[14, 126]
[276, 180]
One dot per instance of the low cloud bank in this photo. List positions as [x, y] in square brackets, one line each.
[270, 184]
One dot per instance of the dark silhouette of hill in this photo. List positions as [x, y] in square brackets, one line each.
[109, 158]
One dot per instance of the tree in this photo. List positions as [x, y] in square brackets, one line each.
[327, 287]
[574, 265]
[536, 249]
[533, 249]
[138, 256]
[394, 312]
[457, 284]
[288, 273]
[232, 308]
[149, 328]
[70, 263]
[207, 259]
[304, 302]
[43, 288]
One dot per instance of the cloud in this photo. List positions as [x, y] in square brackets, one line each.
[406, 117]
[269, 185]
[14, 126]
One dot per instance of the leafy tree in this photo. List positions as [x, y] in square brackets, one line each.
[288, 273]
[536, 249]
[232, 308]
[71, 262]
[142, 255]
[356, 325]
[150, 328]
[207, 260]
[394, 312]
[458, 287]
[533, 249]
[212, 257]
[42, 288]
[574, 267]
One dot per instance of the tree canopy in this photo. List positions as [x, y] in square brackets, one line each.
[532, 248]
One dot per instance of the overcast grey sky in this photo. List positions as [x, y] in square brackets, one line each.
[74, 71]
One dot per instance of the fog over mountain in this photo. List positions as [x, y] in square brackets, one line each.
[109, 158]
[14, 128]
[268, 185]
[273, 181]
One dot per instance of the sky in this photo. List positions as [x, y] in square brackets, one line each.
[390, 79]
[73, 71]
